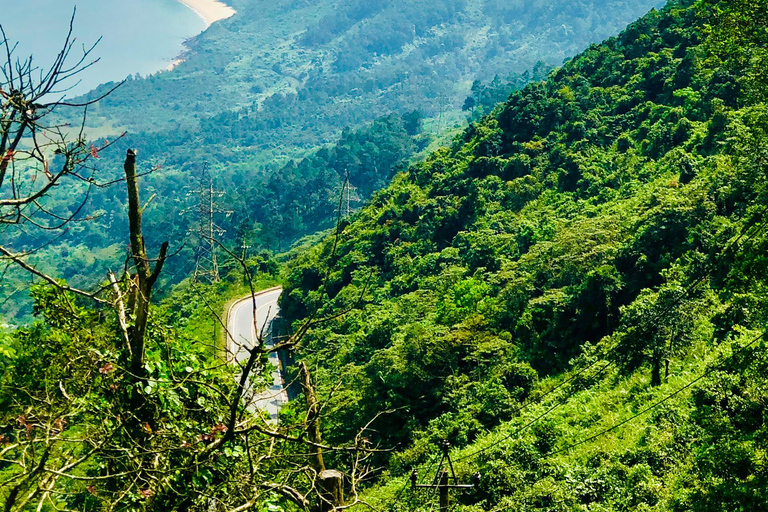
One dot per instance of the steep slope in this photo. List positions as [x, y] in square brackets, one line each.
[603, 230]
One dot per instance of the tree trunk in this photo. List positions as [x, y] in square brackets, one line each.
[145, 278]
[656, 371]
[313, 416]
[330, 483]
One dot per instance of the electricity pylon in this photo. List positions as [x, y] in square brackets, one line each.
[206, 264]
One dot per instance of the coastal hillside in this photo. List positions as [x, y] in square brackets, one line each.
[288, 75]
[280, 79]
[259, 93]
[572, 293]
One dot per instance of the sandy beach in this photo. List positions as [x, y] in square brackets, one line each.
[210, 11]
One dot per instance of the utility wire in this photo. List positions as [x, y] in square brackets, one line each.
[663, 314]
[401, 491]
[666, 398]
[530, 423]
[571, 378]
[659, 402]
[657, 317]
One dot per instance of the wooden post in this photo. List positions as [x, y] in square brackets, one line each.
[331, 484]
[443, 488]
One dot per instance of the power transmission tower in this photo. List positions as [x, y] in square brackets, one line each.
[244, 246]
[349, 186]
[443, 480]
[206, 264]
[349, 189]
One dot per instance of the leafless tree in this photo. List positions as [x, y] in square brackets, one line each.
[40, 155]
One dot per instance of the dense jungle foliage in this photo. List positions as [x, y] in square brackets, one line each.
[594, 246]
[278, 80]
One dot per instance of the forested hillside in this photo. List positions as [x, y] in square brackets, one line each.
[288, 75]
[573, 293]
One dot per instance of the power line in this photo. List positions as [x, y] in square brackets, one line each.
[654, 405]
[685, 292]
[531, 422]
[662, 314]
[666, 398]
[402, 490]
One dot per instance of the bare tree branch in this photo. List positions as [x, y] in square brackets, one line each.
[20, 262]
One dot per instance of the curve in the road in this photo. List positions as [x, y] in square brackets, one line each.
[242, 336]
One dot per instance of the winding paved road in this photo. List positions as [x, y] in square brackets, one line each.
[243, 336]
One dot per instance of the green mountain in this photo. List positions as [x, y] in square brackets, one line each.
[284, 99]
[590, 252]
[286, 76]
[280, 79]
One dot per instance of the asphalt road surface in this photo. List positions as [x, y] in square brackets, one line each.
[243, 336]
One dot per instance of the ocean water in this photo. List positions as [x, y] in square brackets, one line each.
[137, 36]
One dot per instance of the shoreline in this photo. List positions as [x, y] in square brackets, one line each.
[210, 11]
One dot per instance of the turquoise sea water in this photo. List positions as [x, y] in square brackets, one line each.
[138, 36]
